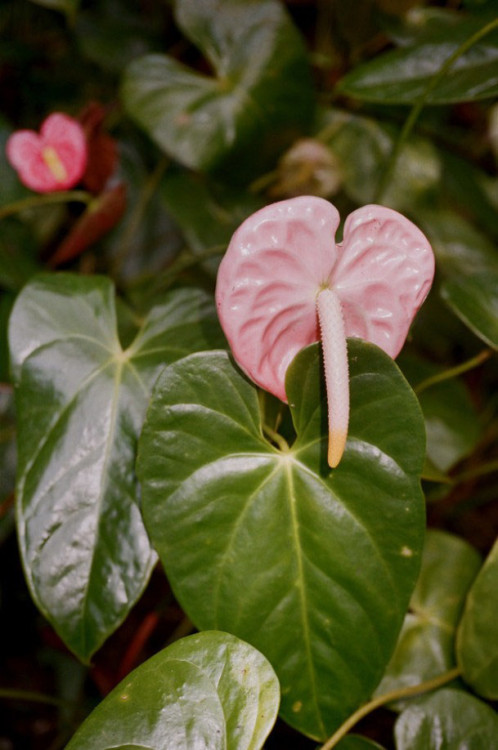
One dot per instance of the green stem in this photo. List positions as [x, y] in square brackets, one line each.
[394, 695]
[33, 201]
[479, 471]
[274, 436]
[453, 372]
[422, 100]
[33, 697]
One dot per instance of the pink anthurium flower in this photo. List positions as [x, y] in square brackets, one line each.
[285, 283]
[54, 159]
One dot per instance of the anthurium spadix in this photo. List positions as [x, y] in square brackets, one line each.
[284, 283]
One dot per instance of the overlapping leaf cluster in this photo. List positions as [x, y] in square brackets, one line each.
[138, 439]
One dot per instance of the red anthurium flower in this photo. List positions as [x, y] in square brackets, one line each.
[54, 159]
[285, 283]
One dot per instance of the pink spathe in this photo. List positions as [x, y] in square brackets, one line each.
[54, 159]
[284, 255]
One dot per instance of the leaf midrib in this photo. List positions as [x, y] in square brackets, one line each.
[302, 597]
[98, 506]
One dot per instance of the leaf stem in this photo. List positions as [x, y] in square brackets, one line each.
[479, 471]
[33, 201]
[422, 100]
[453, 372]
[393, 695]
[34, 697]
[275, 437]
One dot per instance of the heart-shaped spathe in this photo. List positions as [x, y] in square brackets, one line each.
[55, 159]
[284, 256]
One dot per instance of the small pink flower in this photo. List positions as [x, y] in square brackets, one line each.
[54, 159]
[285, 283]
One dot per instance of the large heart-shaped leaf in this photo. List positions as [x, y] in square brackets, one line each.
[474, 299]
[80, 401]
[426, 646]
[449, 719]
[403, 75]
[261, 91]
[209, 691]
[313, 567]
[477, 636]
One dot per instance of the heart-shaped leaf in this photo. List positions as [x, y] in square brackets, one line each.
[261, 91]
[401, 76]
[477, 643]
[449, 719]
[362, 145]
[80, 402]
[209, 691]
[426, 647]
[474, 299]
[313, 567]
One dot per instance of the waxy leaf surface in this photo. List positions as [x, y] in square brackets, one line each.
[478, 633]
[313, 567]
[402, 76]
[261, 90]
[475, 300]
[452, 424]
[426, 646]
[209, 691]
[449, 719]
[80, 402]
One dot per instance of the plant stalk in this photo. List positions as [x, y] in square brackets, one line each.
[393, 695]
[453, 372]
[33, 201]
[421, 102]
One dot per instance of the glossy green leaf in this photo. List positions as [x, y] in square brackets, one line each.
[474, 299]
[451, 423]
[424, 21]
[426, 646]
[207, 213]
[80, 402]
[477, 640]
[362, 144]
[402, 76]
[460, 249]
[261, 90]
[314, 567]
[466, 187]
[209, 691]
[449, 719]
